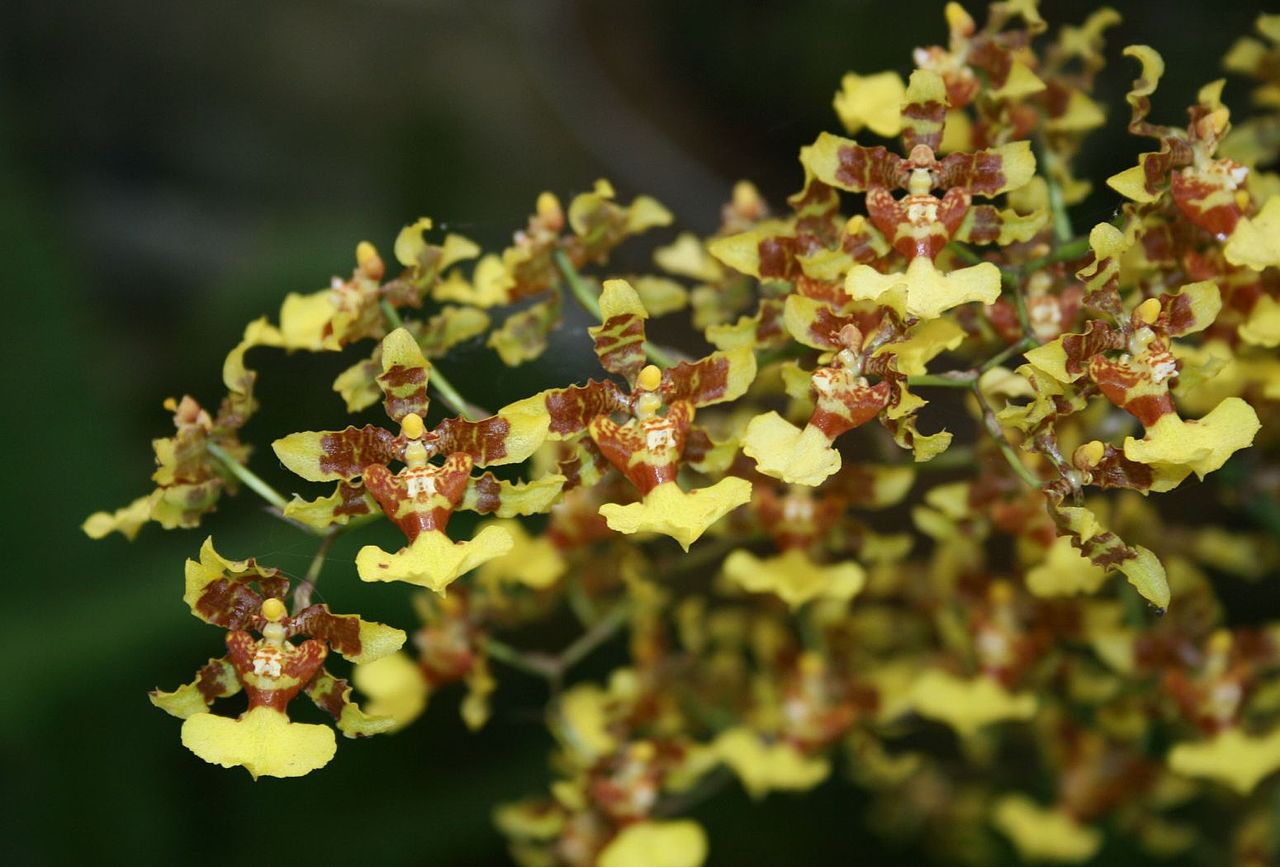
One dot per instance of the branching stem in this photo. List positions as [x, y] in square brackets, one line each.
[302, 593]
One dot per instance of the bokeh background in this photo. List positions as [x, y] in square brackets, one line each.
[169, 171]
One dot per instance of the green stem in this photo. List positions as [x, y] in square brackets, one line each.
[553, 668]
[437, 381]
[788, 352]
[581, 291]
[451, 397]
[580, 603]
[537, 664]
[953, 379]
[992, 425]
[1062, 231]
[1065, 252]
[964, 254]
[302, 593]
[1020, 305]
[1004, 355]
[584, 295]
[682, 802]
[250, 479]
[604, 629]
[391, 314]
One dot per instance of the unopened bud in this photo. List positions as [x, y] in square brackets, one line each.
[958, 20]
[368, 260]
[550, 213]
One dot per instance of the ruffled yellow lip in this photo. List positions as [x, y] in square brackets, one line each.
[433, 560]
[798, 456]
[684, 516]
[262, 741]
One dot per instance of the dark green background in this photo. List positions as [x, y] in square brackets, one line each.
[170, 170]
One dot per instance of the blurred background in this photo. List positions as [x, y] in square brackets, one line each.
[169, 171]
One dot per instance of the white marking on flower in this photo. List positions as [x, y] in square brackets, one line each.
[919, 212]
[659, 439]
[1163, 369]
[418, 485]
[267, 662]
[1046, 317]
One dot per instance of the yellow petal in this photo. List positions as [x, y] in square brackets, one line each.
[304, 320]
[783, 451]
[644, 213]
[1021, 82]
[794, 577]
[262, 740]
[1198, 446]
[395, 686]
[687, 257]
[377, 640]
[1065, 572]
[433, 560]
[1232, 757]
[126, 521]
[660, 295]
[480, 685]
[410, 243]
[683, 516]
[532, 818]
[1262, 328]
[929, 292]
[1132, 183]
[1147, 575]
[1081, 114]
[617, 298]
[873, 101]
[1256, 241]
[968, 705]
[680, 843]
[582, 723]
[765, 767]
[923, 342]
[533, 561]
[1042, 834]
[741, 252]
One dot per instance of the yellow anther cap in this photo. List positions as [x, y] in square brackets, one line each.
[411, 426]
[1149, 311]
[273, 610]
[650, 378]
[1088, 455]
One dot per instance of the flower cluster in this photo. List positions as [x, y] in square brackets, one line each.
[810, 568]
